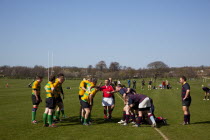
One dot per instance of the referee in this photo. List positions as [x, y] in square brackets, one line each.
[186, 100]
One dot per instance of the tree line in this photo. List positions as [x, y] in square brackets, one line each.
[157, 69]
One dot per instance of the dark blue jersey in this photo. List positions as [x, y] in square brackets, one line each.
[136, 98]
[185, 87]
[124, 91]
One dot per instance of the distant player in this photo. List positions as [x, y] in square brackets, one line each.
[134, 84]
[36, 98]
[129, 83]
[150, 85]
[107, 101]
[58, 91]
[125, 92]
[50, 103]
[144, 104]
[186, 100]
[142, 84]
[7, 85]
[206, 93]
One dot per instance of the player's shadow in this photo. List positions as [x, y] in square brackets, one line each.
[204, 122]
[74, 120]
[102, 121]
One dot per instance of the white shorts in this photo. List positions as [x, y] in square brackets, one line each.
[145, 103]
[107, 101]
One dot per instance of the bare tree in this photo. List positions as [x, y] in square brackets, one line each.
[114, 66]
[101, 66]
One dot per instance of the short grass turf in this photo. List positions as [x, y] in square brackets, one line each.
[15, 116]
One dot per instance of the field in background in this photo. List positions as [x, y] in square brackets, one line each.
[15, 118]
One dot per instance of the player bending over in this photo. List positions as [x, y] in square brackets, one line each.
[144, 104]
[126, 92]
[206, 93]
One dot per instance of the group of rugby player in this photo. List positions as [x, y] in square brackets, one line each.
[54, 102]
[135, 105]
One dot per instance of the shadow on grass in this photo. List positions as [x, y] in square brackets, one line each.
[74, 120]
[204, 122]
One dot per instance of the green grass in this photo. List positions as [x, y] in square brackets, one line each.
[15, 116]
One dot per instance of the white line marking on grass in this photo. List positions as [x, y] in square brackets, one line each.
[161, 133]
[158, 130]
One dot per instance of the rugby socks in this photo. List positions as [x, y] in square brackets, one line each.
[152, 118]
[85, 121]
[124, 116]
[63, 114]
[127, 118]
[50, 119]
[133, 118]
[57, 114]
[45, 118]
[185, 118]
[62, 111]
[110, 113]
[139, 120]
[34, 109]
[82, 119]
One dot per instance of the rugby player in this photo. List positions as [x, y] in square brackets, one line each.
[126, 110]
[107, 101]
[86, 103]
[36, 99]
[113, 86]
[150, 85]
[82, 90]
[186, 100]
[50, 103]
[58, 91]
[141, 103]
[93, 90]
[206, 94]
[142, 84]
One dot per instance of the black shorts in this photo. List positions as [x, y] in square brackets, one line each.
[50, 103]
[144, 109]
[84, 104]
[186, 102]
[58, 100]
[34, 101]
[135, 106]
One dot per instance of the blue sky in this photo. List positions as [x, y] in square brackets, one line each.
[83, 32]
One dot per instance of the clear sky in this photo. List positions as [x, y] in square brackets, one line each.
[83, 32]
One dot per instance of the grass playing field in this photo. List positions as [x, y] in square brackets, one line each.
[15, 116]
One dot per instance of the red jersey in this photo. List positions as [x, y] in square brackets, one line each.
[106, 89]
